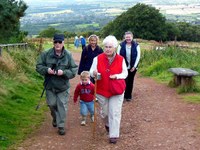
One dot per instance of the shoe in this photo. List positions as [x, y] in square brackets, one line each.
[113, 140]
[128, 99]
[61, 130]
[83, 122]
[92, 118]
[54, 124]
[107, 128]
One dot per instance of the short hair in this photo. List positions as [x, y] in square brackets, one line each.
[111, 39]
[85, 74]
[128, 32]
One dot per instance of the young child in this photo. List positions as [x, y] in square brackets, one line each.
[85, 89]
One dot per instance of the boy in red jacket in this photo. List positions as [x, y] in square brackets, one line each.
[85, 89]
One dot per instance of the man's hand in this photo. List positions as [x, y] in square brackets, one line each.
[51, 71]
[59, 72]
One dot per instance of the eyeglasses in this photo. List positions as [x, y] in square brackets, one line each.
[57, 42]
[108, 46]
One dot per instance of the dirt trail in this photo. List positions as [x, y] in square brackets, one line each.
[157, 119]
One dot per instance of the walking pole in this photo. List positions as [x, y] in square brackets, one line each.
[95, 116]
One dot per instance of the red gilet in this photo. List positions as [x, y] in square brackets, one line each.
[106, 70]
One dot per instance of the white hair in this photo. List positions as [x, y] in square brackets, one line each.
[111, 39]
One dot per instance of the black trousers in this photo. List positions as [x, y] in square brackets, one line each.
[129, 84]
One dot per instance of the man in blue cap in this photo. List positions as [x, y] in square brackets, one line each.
[57, 66]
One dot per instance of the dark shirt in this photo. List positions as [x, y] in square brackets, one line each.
[87, 57]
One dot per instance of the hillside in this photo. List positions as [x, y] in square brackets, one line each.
[85, 15]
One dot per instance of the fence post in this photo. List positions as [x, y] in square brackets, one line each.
[0, 51]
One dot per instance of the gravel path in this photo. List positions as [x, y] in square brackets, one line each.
[157, 119]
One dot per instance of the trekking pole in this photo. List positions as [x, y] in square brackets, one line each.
[95, 116]
[38, 105]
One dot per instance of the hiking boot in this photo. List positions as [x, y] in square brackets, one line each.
[92, 118]
[61, 130]
[113, 140]
[54, 124]
[83, 122]
[107, 128]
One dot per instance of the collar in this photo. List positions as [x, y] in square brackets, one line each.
[85, 84]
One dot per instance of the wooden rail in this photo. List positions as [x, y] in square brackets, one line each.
[12, 45]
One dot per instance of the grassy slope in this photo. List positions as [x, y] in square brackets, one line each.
[19, 93]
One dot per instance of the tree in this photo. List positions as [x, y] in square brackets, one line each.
[10, 13]
[143, 20]
[49, 32]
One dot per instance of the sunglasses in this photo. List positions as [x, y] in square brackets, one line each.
[57, 42]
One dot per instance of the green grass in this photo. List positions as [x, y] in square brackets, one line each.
[19, 95]
[192, 98]
[69, 47]
[86, 25]
[155, 64]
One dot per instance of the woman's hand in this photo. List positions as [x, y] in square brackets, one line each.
[113, 76]
[95, 73]
[132, 69]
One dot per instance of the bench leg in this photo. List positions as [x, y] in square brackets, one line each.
[186, 81]
[177, 80]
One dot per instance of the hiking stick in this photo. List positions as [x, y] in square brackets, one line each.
[45, 85]
[95, 116]
[38, 105]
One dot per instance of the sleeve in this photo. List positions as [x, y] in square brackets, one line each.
[118, 49]
[72, 70]
[124, 73]
[41, 67]
[82, 61]
[138, 57]
[76, 93]
[93, 67]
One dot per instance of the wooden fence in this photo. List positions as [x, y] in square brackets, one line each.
[7, 46]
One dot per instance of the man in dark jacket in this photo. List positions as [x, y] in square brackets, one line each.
[57, 66]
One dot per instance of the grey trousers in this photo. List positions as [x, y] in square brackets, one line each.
[110, 111]
[58, 104]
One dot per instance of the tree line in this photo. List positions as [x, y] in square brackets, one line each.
[147, 22]
[144, 21]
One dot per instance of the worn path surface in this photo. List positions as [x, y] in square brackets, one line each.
[157, 119]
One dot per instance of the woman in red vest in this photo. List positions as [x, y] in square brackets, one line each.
[112, 68]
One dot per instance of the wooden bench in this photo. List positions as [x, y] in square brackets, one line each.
[183, 76]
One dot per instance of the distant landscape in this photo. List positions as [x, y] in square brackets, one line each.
[92, 15]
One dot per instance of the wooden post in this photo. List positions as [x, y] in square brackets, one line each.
[40, 45]
[95, 116]
[0, 52]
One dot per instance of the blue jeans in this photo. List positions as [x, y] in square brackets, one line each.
[85, 107]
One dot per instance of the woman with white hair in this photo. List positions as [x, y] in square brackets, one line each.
[112, 68]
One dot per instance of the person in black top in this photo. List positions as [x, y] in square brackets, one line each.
[89, 52]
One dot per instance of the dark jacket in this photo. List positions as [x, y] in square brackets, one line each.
[87, 57]
[133, 52]
[65, 62]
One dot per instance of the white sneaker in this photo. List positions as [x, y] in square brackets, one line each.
[83, 122]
